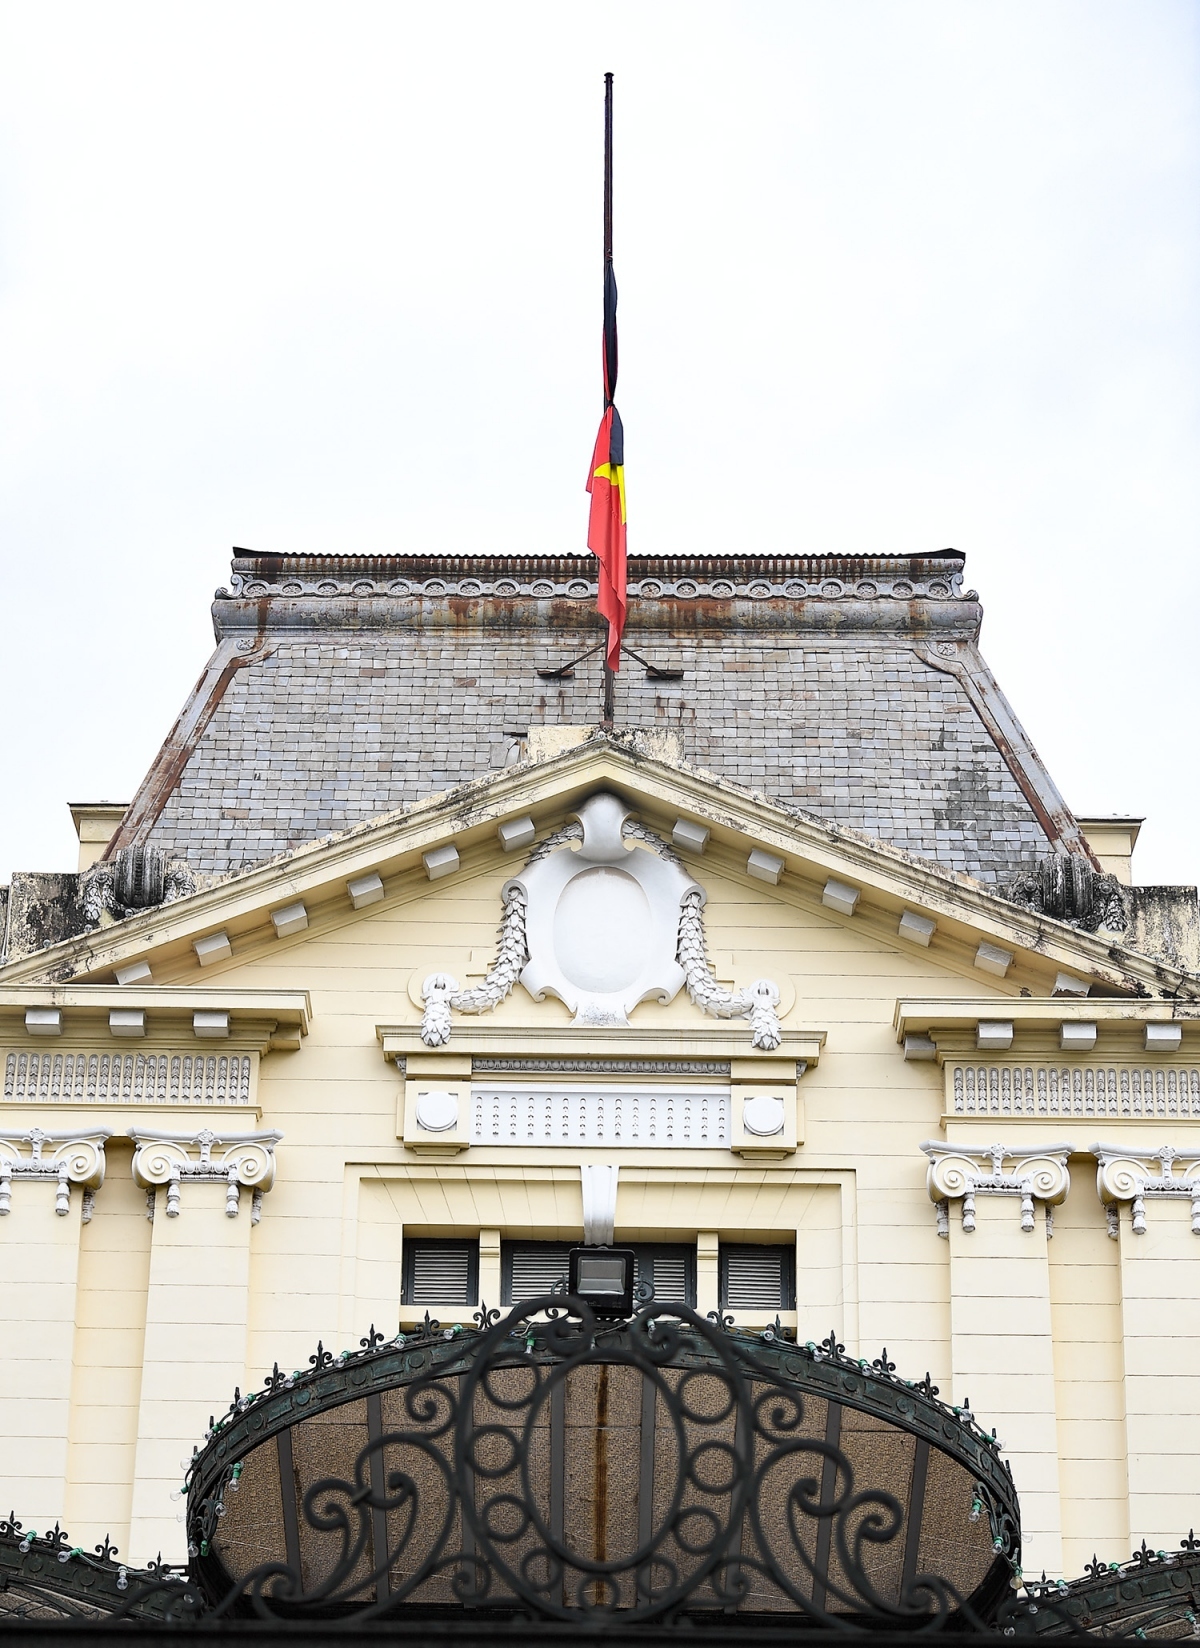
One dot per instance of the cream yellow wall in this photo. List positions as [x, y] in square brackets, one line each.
[156, 1323]
[866, 1110]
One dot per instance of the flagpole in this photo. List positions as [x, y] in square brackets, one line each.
[610, 680]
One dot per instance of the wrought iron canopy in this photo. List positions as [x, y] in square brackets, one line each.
[553, 1467]
[1155, 1595]
[45, 1580]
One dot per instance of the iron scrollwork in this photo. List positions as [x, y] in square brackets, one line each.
[552, 1466]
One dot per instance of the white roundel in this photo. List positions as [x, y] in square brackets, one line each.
[602, 930]
[437, 1111]
[763, 1116]
[602, 919]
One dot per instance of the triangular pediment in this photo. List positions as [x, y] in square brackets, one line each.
[831, 876]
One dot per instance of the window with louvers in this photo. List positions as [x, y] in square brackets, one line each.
[671, 1271]
[757, 1278]
[529, 1269]
[440, 1272]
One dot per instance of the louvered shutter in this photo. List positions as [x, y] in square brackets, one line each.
[756, 1278]
[533, 1268]
[440, 1273]
[671, 1279]
[670, 1270]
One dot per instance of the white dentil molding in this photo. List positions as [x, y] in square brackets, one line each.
[64, 1158]
[1125, 1173]
[1033, 1172]
[232, 1159]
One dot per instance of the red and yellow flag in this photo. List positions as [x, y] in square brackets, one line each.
[606, 483]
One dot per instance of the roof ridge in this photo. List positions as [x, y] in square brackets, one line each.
[248, 563]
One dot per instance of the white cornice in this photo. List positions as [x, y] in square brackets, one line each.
[255, 1016]
[918, 1017]
[739, 820]
[694, 1041]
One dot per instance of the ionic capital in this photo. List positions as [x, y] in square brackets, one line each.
[1125, 1173]
[1028, 1172]
[232, 1159]
[64, 1158]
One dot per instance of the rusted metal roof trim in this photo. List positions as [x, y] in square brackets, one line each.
[969, 669]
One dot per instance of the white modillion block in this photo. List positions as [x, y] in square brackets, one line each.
[840, 896]
[1076, 1037]
[440, 861]
[127, 1021]
[212, 947]
[43, 1021]
[917, 929]
[690, 837]
[364, 890]
[993, 1035]
[1066, 984]
[516, 832]
[990, 958]
[293, 918]
[210, 1024]
[138, 972]
[920, 1049]
[764, 866]
[1160, 1038]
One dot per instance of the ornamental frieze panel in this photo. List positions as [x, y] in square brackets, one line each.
[1062, 1089]
[93, 1076]
[944, 585]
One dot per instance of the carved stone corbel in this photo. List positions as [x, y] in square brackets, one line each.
[1035, 1173]
[232, 1159]
[64, 1158]
[1137, 1176]
[599, 1202]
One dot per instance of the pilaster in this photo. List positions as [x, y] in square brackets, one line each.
[708, 1286]
[197, 1310]
[1001, 1337]
[1153, 1202]
[42, 1204]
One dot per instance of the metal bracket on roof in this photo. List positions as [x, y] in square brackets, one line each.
[653, 671]
[566, 672]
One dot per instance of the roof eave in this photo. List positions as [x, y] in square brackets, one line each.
[469, 814]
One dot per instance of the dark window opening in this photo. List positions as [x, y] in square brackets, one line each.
[670, 1268]
[440, 1272]
[529, 1269]
[754, 1277]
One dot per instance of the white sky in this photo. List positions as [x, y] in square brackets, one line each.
[896, 275]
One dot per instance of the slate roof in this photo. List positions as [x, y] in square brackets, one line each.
[344, 687]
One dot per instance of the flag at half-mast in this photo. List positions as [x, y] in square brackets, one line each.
[606, 483]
